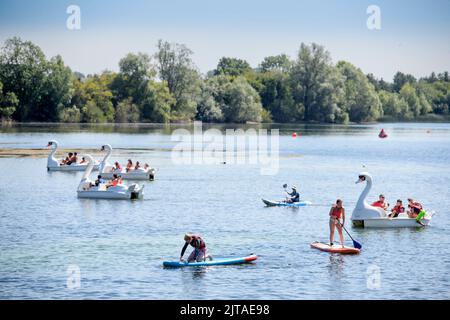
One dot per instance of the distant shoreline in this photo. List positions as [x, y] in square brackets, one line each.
[432, 118]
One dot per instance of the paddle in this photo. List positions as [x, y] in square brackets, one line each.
[356, 244]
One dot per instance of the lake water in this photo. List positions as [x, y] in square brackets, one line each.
[119, 246]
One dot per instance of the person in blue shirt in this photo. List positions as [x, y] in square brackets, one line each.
[294, 196]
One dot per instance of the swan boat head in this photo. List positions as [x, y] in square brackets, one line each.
[364, 210]
[51, 160]
[104, 163]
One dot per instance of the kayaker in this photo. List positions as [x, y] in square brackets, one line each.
[199, 252]
[397, 209]
[381, 203]
[337, 212]
[294, 196]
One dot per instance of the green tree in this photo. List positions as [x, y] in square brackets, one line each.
[70, 114]
[400, 79]
[157, 105]
[232, 67]
[276, 96]
[175, 67]
[211, 100]
[8, 104]
[127, 111]
[22, 71]
[408, 93]
[94, 98]
[136, 72]
[241, 102]
[394, 106]
[279, 62]
[57, 91]
[360, 101]
[316, 86]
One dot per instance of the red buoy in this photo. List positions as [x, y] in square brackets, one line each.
[382, 134]
[294, 135]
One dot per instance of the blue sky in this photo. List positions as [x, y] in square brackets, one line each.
[414, 35]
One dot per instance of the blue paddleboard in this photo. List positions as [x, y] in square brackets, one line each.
[270, 203]
[215, 262]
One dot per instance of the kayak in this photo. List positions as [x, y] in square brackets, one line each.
[335, 248]
[270, 203]
[215, 262]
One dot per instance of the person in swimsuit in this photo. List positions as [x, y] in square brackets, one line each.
[129, 165]
[199, 252]
[337, 212]
[117, 167]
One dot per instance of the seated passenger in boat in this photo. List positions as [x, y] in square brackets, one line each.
[137, 166]
[83, 160]
[117, 167]
[129, 165]
[381, 203]
[415, 208]
[96, 182]
[99, 181]
[397, 209]
[146, 167]
[74, 158]
[114, 182]
[119, 179]
[294, 196]
[67, 159]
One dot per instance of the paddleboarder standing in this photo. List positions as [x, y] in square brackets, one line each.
[337, 212]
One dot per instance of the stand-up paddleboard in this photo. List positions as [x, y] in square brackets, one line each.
[336, 248]
[270, 203]
[215, 262]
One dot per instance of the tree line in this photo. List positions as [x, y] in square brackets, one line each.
[167, 87]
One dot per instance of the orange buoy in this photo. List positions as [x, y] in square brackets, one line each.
[382, 134]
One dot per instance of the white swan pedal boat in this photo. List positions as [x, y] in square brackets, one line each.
[86, 189]
[107, 170]
[367, 216]
[54, 165]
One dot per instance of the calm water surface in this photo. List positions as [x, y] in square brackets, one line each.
[119, 246]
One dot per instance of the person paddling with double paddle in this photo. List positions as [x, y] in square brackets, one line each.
[294, 196]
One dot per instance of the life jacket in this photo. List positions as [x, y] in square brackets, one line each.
[377, 204]
[398, 209]
[416, 205]
[336, 212]
[197, 242]
[115, 182]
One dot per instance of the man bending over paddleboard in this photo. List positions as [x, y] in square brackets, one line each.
[337, 212]
[199, 252]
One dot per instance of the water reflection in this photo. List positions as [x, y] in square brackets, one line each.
[336, 265]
